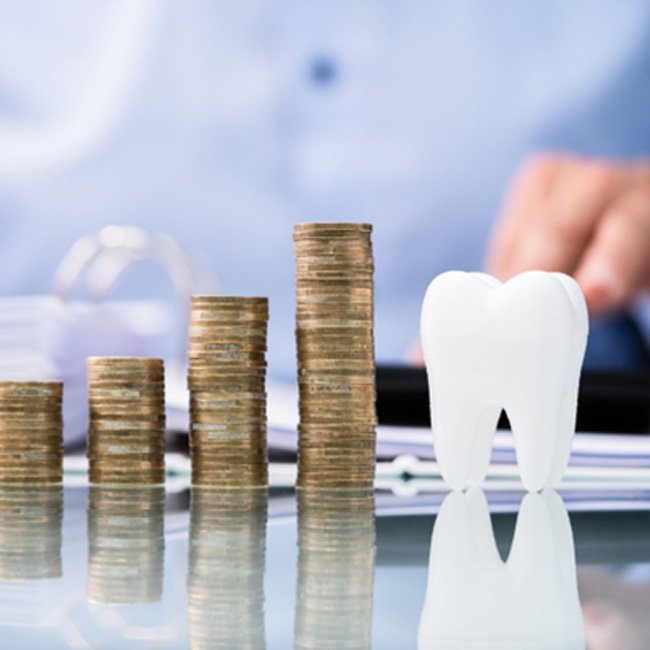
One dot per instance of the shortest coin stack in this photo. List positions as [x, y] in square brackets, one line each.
[126, 399]
[226, 379]
[31, 432]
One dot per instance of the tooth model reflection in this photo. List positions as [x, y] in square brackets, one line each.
[225, 583]
[126, 545]
[516, 346]
[336, 559]
[474, 600]
[30, 552]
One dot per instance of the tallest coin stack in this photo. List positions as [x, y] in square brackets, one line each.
[336, 367]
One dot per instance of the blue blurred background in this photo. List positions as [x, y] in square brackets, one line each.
[222, 123]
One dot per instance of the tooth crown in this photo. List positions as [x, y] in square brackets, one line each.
[516, 346]
[475, 600]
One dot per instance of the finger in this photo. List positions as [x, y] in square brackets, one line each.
[414, 355]
[531, 186]
[555, 208]
[616, 263]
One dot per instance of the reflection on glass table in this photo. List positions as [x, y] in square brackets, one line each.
[475, 600]
[110, 567]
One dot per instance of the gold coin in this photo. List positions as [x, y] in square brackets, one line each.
[122, 421]
[226, 398]
[313, 427]
[31, 388]
[353, 265]
[28, 440]
[318, 231]
[128, 361]
[340, 313]
[129, 464]
[230, 300]
[319, 405]
[237, 346]
[199, 387]
[224, 322]
[137, 436]
[321, 246]
[206, 432]
[100, 426]
[229, 458]
[324, 337]
[210, 382]
[129, 378]
[333, 457]
[311, 226]
[228, 419]
[333, 433]
[113, 453]
[142, 478]
[140, 404]
[120, 370]
[230, 471]
[228, 359]
[220, 413]
[333, 317]
[337, 295]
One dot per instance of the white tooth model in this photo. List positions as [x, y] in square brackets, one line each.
[517, 346]
[476, 601]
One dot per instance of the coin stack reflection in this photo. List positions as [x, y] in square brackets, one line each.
[126, 398]
[31, 438]
[30, 532]
[336, 368]
[226, 379]
[336, 554]
[225, 584]
[126, 544]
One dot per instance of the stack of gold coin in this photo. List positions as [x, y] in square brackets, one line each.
[226, 379]
[30, 531]
[126, 544]
[126, 399]
[336, 560]
[336, 367]
[31, 432]
[225, 581]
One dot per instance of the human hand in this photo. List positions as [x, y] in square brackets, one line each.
[584, 217]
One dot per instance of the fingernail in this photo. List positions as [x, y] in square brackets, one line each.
[602, 285]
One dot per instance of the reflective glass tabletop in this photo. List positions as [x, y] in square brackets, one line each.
[108, 567]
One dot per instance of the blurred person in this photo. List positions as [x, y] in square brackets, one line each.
[223, 123]
[615, 608]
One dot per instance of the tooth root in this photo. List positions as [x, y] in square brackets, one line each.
[483, 446]
[564, 440]
[543, 428]
[464, 430]
[535, 430]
